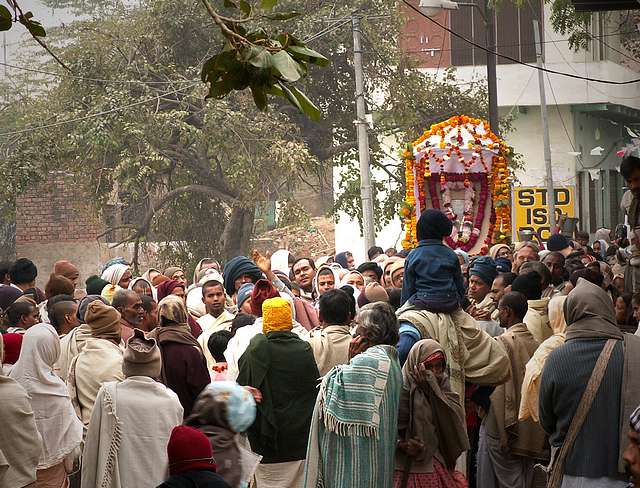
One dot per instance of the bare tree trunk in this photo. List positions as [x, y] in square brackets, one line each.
[237, 233]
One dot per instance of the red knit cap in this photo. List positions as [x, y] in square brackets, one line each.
[189, 449]
[263, 290]
[12, 346]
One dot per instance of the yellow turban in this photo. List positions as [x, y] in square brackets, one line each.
[276, 315]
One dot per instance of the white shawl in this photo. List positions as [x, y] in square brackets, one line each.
[127, 439]
[59, 427]
[114, 273]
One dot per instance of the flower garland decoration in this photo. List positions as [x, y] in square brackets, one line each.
[463, 141]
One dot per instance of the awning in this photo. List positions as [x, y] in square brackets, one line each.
[600, 5]
[610, 111]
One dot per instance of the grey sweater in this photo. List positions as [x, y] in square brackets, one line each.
[564, 379]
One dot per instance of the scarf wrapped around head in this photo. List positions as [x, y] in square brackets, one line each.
[108, 291]
[166, 288]
[172, 318]
[111, 262]
[484, 268]
[223, 409]
[114, 273]
[56, 419]
[589, 313]
[263, 290]
[436, 416]
[199, 271]
[280, 261]
[276, 315]
[104, 321]
[171, 270]
[236, 268]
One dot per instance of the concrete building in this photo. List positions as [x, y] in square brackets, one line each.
[588, 121]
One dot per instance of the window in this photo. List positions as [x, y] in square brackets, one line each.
[514, 28]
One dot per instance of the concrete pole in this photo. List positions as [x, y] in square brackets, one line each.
[492, 80]
[551, 200]
[366, 195]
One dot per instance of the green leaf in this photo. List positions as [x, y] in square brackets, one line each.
[284, 15]
[260, 97]
[259, 57]
[308, 55]
[245, 8]
[34, 27]
[308, 107]
[286, 66]
[268, 4]
[6, 19]
[290, 96]
[229, 4]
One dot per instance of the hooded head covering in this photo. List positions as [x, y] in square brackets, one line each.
[198, 272]
[589, 313]
[321, 261]
[8, 295]
[66, 269]
[435, 417]
[433, 224]
[84, 304]
[396, 266]
[12, 346]
[263, 290]
[134, 281]
[484, 268]
[104, 321]
[189, 449]
[244, 292]
[171, 309]
[556, 314]
[58, 285]
[166, 288]
[280, 261]
[493, 252]
[141, 356]
[603, 248]
[336, 278]
[95, 285]
[171, 270]
[603, 234]
[223, 409]
[56, 419]
[147, 274]
[341, 259]
[276, 315]
[236, 268]
[114, 273]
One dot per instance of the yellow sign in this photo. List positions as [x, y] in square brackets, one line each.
[532, 210]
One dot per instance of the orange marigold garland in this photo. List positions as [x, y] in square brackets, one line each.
[450, 143]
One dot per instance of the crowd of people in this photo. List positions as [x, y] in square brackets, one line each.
[421, 369]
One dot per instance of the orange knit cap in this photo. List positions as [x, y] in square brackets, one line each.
[276, 315]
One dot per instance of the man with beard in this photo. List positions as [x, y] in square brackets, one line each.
[554, 261]
[304, 270]
[129, 304]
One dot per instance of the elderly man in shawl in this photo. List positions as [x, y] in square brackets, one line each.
[223, 410]
[131, 423]
[282, 367]
[55, 417]
[509, 448]
[20, 441]
[596, 352]
[355, 420]
[100, 360]
[184, 367]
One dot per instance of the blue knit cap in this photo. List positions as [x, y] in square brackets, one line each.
[244, 292]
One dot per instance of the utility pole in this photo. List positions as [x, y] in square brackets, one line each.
[551, 199]
[492, 82]
[366, 194]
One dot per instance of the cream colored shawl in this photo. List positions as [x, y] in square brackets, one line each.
[537, 319]
[60, 429]
[20, 443]
[99, 361]
[531, 381]
[330, 347]
[70, 346]
[472, 354]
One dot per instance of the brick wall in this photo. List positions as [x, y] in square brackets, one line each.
[54, 212]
